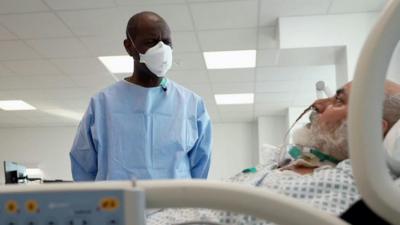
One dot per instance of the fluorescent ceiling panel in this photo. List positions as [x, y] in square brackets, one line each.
[234, 99]
[117, 64]
[13, 105]
[230, 59]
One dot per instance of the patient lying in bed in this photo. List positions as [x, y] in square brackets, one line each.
[324, 181]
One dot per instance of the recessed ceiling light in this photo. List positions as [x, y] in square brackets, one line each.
[234, 99]
[117, 64]
[10, 105]
[230, 59]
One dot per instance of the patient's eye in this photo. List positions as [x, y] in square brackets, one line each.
[338, 100]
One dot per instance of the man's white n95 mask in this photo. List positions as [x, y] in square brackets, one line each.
[158, 59]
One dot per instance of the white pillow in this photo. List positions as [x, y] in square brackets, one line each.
[269, 154]
[392, 146]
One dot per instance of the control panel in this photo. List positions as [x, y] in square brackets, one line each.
[71, 207]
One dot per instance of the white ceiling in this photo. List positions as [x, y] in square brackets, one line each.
[49, 50]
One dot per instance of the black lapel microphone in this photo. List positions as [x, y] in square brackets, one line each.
[163, 84]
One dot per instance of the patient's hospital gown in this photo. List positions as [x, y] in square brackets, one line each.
[332, 190]
[132, 132]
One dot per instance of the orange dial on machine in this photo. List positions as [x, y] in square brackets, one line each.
[32, 206]
[11, 207]
[109, 204]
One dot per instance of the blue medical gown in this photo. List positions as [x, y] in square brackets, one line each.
[132, 132]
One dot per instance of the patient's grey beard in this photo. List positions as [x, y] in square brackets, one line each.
[333, 141]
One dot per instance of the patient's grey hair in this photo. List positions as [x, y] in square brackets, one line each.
[335, 141]
[391, 109]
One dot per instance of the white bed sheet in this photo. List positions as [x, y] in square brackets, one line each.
[332, 190]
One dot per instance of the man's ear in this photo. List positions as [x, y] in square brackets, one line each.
[385, 127]
[130, 49]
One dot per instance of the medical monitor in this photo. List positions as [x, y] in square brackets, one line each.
[14, 173]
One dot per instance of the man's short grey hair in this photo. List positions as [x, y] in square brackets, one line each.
[391, 108]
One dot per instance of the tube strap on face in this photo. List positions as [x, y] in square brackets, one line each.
[324, 157]
[295, 152]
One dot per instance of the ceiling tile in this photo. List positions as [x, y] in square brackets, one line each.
[267, 57]
[307, 56]
[214, 116]
[22, 6]
[189, 77]
[6, 35]
[48, 82]
[49, 119]
[223, 109]
[141, 2]
[267, 38]
[79, 4]
[59, 93]
[83, 66]
[13, 50]
[232, 76]
[37, 82]
[79, 104]
[278, 74]
[237, 117]
[100, 81]
[271, 109]
[356, 6]
[275, 86]
[293, 73]
[211, 106]
[204, 90]
[188, 61]
[46, 104]
[220, 15]
[228, 40]
[273, 98]
[95, 22]
[12, 82]
[59, 48]
[272, 9]
[104, 45]
[29, 113]
[185, 42]
[233, 88]
[10, 120]
[32, 67]
[38, 25]
[316, 73]
[4, 72]
[177, 16]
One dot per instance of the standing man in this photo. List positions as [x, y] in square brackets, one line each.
[145, 126]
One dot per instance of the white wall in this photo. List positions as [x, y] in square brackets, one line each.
[349, 30]
[235, 147]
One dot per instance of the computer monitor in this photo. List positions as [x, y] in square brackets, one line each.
[14, 173]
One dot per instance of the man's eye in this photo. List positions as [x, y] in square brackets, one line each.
[168, 43]
[151, 43]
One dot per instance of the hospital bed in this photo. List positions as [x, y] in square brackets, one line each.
[125, 202]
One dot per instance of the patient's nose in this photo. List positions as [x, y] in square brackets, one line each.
[321, 104]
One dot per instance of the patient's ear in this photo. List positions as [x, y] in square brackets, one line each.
[385, 127]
